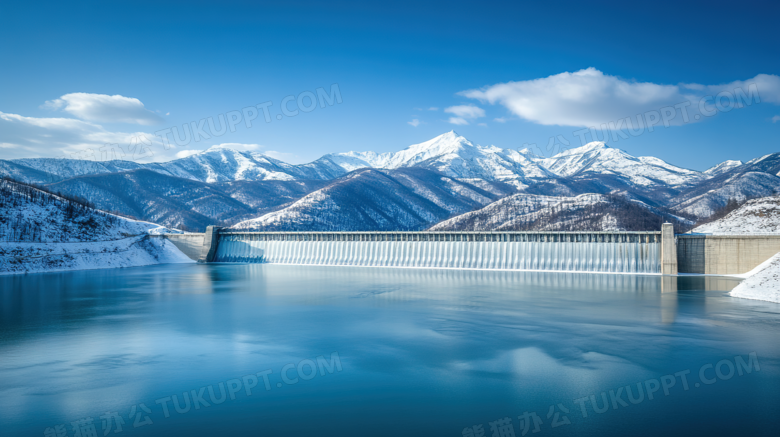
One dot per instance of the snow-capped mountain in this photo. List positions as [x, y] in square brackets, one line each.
[454, 156]
[220, 164]
[756, 216]
[598, 158]
[449, 153]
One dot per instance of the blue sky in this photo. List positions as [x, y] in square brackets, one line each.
[170, 63]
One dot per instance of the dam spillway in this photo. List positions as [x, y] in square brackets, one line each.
[606, 252]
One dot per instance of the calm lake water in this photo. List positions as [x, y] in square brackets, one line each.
[382, 352]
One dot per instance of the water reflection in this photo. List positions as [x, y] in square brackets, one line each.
[58, 298]
[425, 352]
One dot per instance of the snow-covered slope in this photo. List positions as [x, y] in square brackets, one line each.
[454, 156]
[598, 158]
[368, 199]
[17, 171]
[31, 215]
[757, 216]
[156, 197]
[768, 164]
[40, 231]
[592, 212]
[762, 284]
[184, 203]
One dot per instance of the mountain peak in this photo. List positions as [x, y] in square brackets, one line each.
[446, 143]
[446, 136]
[593, 145]
[723, 167]
[530, 153]
[220, 148]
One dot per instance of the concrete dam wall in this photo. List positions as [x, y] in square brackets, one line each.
[724, 254]
[190, 244]
[617, 252]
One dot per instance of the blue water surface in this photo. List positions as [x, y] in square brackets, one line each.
[382, 352]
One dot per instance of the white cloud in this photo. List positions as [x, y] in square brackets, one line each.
[589, 97]
[186, 153]
[30, 137]
[463, 113]
[776, 118]
[500, 120]
[466, 111]
[414, 122]
[768, 87]
[433, 108]
[104, 108]
[241, 147]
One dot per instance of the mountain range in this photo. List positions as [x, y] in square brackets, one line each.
[447, 182]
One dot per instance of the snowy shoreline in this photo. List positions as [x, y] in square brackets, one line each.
[41, 231]
[22, 258]
[762, 283]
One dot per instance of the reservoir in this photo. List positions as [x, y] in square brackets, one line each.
[290, 350]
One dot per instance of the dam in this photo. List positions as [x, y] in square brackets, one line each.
[607, 252]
